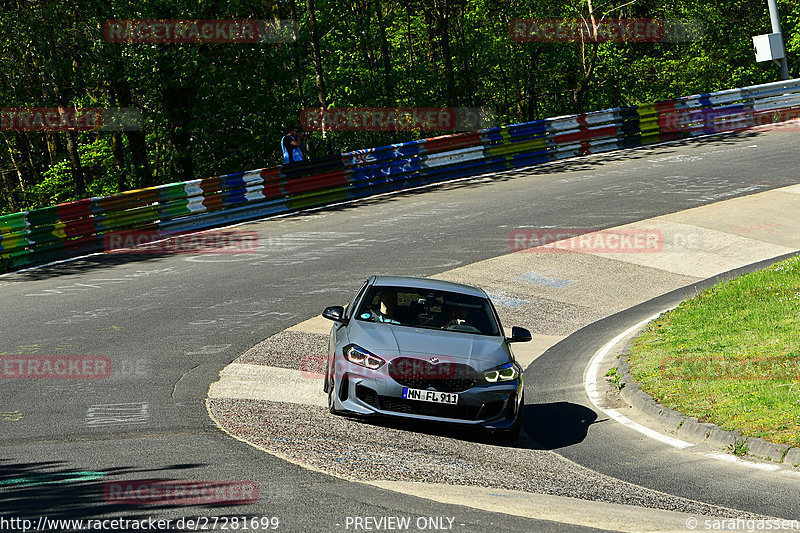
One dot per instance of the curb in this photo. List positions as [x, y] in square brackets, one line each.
[691, 428]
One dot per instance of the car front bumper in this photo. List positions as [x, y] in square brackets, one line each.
[491, 405]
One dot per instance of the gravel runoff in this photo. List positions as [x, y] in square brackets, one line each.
[401, 451]
[389, 451]
[287, 349]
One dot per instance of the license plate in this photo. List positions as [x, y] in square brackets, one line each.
[430, 396]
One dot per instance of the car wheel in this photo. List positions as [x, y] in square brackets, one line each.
[331, 400]
[510, 435]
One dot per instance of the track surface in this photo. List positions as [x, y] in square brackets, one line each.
[169, 324]
[577, 431]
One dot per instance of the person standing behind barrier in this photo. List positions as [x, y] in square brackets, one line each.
[292, 146]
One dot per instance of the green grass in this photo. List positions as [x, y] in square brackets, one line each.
[615, 378]
[730, 355]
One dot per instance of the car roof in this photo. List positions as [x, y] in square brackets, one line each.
[428, 283]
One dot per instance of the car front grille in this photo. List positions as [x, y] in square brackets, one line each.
[367, 395]
[491, 409]
[400, 405]
[412, 407]
[422, 374]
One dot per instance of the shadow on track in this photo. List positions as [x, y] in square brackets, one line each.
[54, 490]
[558, 425]
[547, 426]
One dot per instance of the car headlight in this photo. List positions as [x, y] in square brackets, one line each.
[507, 372]
[358, 355]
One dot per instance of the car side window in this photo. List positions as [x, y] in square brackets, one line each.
[359, 294]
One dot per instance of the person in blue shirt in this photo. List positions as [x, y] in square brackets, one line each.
[292, 146]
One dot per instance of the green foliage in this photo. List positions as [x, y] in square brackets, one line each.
[615, 378]
[730, 355]
[739, 448]
[211, 109]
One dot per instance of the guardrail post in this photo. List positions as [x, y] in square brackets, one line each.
[774, 17]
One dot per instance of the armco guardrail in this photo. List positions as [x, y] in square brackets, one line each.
[80, 227]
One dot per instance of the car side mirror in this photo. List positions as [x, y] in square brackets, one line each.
[335, 313]
[519, 335]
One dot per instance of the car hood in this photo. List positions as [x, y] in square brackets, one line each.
[389, 341]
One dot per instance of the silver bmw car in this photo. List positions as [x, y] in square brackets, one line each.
[425, 349]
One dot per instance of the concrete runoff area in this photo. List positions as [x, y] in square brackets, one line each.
[528, 288]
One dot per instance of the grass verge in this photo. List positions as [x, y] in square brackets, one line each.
[730, 355]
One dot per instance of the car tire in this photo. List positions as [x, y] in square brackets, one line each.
[510, 435]
[331, 399]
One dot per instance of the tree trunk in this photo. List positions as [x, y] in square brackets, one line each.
[78, 177]
[177, 104]
[447, 57]
[297, 66]
[438, 17]
[52, 148]
[581, 91]
[387, 63]
[7, 184]
[583, 88]
[118, 150]
[20, 172]
[322, 93]
[136, 140]
[26, 150]
[533, 86]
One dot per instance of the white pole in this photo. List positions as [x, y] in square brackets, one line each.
[776, 28]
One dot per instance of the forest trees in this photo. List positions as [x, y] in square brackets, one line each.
[211, 109]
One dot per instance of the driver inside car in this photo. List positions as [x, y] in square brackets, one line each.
[387, 307]
[458, 317]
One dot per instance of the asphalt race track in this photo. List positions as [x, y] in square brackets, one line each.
[170, 323]
[604, 445]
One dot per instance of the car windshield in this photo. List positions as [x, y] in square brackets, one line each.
[431, 309]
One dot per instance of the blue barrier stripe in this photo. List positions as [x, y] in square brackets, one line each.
[238, 196]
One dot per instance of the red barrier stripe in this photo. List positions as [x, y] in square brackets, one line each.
[128, 200]
[210, 186]
[272, 183]
[586, 135]
[73, 210]
[214, 201]
[81, 244]
[668, 117]
[311, 183]
[450, 142]
[75, 228]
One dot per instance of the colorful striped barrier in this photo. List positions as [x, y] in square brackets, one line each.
[76, 228]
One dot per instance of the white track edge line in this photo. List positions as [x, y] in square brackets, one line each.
[590, 384]
[733, 459]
